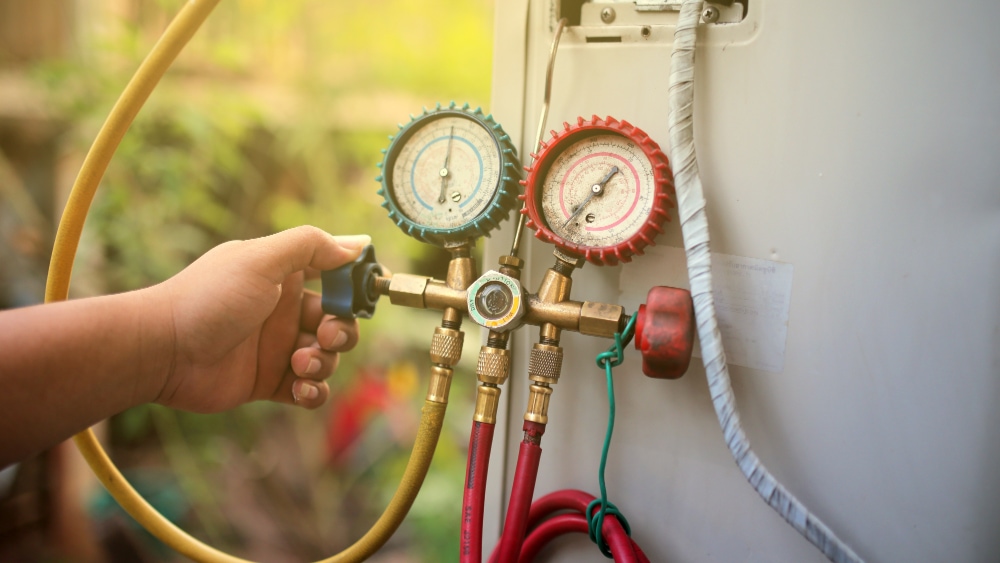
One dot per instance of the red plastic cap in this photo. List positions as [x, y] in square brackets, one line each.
[664, 332]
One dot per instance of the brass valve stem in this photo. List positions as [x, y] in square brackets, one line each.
[511, 266]
[544, 370]
[380, 285]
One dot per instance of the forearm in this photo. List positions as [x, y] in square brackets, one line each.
[232, 327]
[66, 366]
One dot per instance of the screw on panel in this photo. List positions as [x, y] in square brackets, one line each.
[710, 14]
[608, 15]
[645, 32]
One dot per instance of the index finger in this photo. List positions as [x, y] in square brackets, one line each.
[307, 247]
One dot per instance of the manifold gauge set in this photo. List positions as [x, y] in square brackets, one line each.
[599, 189]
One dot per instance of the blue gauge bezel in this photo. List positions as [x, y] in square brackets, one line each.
[502, 202]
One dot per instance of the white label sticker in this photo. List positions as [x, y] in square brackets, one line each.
[752, 297]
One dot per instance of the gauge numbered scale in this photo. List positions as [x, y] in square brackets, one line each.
[451, 174]
[599, 189]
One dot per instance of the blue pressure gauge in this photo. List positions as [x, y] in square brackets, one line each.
[450, 175]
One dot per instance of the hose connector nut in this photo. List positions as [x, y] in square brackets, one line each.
[496, 301]
[493, 366]
[349, 291]
[545, 363]
[446, 346]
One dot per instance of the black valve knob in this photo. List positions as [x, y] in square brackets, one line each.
[349, 291]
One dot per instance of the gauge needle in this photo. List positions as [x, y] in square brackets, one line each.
[596, 189]
[444, 169]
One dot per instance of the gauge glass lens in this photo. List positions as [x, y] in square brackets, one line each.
[598, 192]
[446, 174]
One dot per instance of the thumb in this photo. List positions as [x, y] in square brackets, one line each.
[304, 247]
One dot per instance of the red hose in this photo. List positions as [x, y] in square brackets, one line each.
[639, 553]
[622, 546]
[474, 499]
[523, 488]
[576, 501]
[566, 499]
[550, 530]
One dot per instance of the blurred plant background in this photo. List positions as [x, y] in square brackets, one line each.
[273, 117]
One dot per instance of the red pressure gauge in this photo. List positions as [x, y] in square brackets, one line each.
[599, 189]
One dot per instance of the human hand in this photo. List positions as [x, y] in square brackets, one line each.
[243, 329]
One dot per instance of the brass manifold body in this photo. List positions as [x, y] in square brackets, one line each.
[550, 308]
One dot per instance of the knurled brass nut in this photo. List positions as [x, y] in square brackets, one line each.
[446, 346]
[494, 365]
[545, 363]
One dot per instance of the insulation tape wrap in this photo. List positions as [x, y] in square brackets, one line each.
[694, 227]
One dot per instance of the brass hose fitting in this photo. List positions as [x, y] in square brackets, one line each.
[447, 341]
[439, 384]
[487, 404]
[544, 369]
[492, 370]
[545, 361]
[446, 351]
[538, 403]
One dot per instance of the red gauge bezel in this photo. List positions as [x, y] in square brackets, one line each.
[663, 186]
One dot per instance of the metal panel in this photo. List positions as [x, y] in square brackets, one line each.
[858, 142]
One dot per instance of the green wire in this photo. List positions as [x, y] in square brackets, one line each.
[609, 360]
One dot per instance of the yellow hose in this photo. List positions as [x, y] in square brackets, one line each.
[431, 421]
[176, 36]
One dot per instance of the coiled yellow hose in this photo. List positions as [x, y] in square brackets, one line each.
[176, 36]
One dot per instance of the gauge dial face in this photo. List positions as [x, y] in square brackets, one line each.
[446, 173]
[598, 192]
